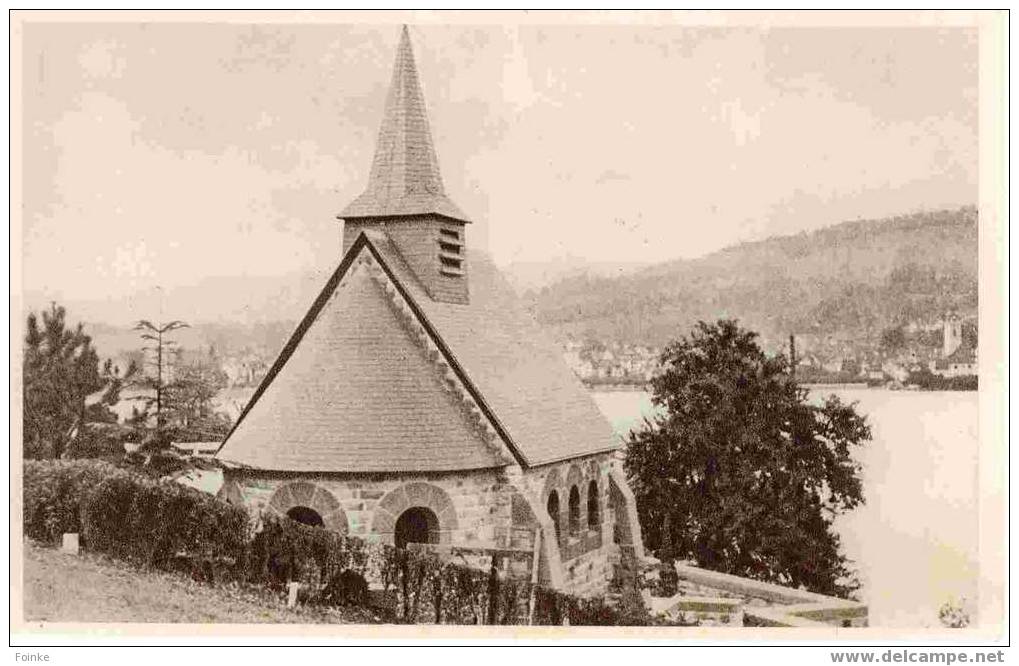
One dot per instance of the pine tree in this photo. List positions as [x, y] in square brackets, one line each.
[61, 372]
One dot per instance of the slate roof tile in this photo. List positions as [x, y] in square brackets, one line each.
[356, 394]
[519, 371]
[353, 391]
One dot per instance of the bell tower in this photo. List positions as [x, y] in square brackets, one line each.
[405, 197]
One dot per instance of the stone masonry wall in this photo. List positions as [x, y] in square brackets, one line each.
[487, 509]
[473, 508]
[588, 554]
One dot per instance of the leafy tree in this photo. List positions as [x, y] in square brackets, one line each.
[893, 339]
[740, 472]
[189, 397]
[64, 386]
[934, 337]
[970, 336]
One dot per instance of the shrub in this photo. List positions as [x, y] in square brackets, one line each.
[101, 440]
[284, 550]
[348, 588]
[165, 525]
[156, 523]
[54, 492]
[552, 608]
[953, 615]
[430, 589]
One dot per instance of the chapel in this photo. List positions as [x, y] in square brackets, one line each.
[418, 402]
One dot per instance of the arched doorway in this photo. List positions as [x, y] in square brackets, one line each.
[416, 525]
[306, 515]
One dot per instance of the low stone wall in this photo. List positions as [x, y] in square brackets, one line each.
[712, 598]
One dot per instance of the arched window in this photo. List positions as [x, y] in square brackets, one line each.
[574, 510]
[416, 525]
[306, 515]
[553, 510]
[593, 513]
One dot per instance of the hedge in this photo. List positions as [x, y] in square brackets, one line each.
[54, 493]
[165, 525]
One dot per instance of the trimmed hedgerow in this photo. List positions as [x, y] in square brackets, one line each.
[156, 523]
[554, 608]
[165, 525]
[54, 492]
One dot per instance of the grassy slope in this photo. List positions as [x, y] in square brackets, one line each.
[91, 588]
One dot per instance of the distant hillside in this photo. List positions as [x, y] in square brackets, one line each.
[850, 280]
[226, 338]
[527, 276]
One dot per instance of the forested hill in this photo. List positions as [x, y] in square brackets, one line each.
[850, 280]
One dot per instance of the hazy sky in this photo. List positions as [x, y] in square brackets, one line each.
[167, 154]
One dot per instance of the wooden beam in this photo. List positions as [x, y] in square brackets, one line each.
[450, 549]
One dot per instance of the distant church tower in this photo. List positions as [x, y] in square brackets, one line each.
[953, 335]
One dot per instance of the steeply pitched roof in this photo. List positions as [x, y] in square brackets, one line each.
[348, 394]
[404, 178]
[519, 372]
[354, 391]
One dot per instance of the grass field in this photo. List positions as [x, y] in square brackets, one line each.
[91, 588]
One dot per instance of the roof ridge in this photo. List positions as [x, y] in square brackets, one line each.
[447, 353]
[354, 254]
[437, 354]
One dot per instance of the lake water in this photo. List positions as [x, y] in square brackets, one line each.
[914, 542]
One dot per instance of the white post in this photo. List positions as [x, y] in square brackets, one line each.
[293, 587]
[71, 543]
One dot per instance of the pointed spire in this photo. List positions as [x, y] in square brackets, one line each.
[404, 178]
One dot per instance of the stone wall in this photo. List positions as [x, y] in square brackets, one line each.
[589, 556]
[473, 508]
[714, 598]
[504, 508]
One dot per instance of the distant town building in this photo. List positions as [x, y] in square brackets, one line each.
[958, 356]
[961, 363]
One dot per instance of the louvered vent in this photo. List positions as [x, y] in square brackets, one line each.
[451, 255]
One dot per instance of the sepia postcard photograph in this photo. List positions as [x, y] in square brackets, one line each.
[523, 326]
